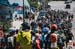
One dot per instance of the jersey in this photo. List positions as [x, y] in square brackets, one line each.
[25, 39]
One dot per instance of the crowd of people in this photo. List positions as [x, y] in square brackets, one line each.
[50, 31]
[47, 27]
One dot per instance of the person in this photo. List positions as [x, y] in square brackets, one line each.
[1, 32]
[45, 31]
[69, 36]
[61, 38]
[10, 40]
[24, 37]
[25, 26]
[53, 28]
[53, 40]
[38, 40]
[33, 25]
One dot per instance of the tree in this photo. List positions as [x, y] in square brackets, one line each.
[33, 3]
[15, 5]
[4, 12]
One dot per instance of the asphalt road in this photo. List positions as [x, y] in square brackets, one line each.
[55, 5]
[61, 6]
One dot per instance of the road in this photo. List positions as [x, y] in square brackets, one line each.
[16, 24]
[60, 5]
[55, 5]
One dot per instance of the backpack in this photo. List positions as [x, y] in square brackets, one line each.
[60, 41]
[24, 37]
[54, 37]
[44, 38]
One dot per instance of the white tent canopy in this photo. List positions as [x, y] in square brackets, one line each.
[20, 2]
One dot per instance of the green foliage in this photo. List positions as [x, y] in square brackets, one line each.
[33, 3]
[4, 2]
[26, 7]
[5, 11]
[6, 25]
[40, 7]
[14, 5]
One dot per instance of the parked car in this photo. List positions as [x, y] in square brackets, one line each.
[42, 13]
[68, 6]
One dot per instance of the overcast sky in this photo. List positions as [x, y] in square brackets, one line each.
[19, 2]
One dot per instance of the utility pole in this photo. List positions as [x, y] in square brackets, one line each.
[23, 12]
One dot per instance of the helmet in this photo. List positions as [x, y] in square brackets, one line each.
[45, 30]
[54, 27]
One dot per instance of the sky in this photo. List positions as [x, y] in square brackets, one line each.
[20, 2]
